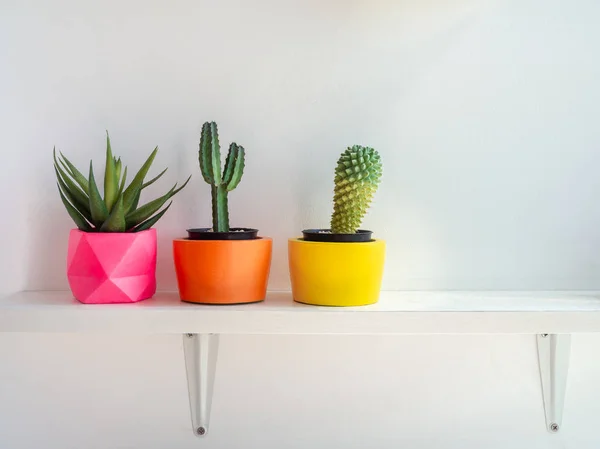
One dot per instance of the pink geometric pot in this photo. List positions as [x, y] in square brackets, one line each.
[108, 268]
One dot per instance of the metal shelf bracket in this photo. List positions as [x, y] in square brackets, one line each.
[554, 351]
[200, 351]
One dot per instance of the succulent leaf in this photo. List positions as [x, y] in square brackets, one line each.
[357, 177]
[118, 167]
[77, 175]
[81, 200]
[152, 220]
[98, 209]
[147, 210]
[153, 180]
[135, 187]
[76, 197]
[136, 201]
[116, 220]
[111, 180]
[89, 211]
[79, 219]
[123, 180]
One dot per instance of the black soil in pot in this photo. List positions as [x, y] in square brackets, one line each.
[325, 235]
[233, 234]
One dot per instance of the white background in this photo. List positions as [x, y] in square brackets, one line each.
[486, 115]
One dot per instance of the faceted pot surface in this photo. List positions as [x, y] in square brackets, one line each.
[108, 268]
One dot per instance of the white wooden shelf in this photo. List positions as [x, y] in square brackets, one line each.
[396, 313]
[552, 316]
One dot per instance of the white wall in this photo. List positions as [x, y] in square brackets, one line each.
[485, 114]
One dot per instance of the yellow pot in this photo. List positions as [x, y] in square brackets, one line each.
[336, 274]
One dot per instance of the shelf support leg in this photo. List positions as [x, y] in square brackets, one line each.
[553, 355]
[200, 351]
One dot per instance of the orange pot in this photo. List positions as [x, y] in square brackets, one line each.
[222, 271]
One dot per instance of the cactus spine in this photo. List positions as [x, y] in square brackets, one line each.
[221, 184]
[357, 177]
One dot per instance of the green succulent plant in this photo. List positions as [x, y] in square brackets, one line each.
[118, 211]
[357, 177]
[221, 183]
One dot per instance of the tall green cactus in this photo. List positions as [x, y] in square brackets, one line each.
[357, 177]
[221, 184]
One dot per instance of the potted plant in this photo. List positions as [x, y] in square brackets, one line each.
[221, 265]
[112, 253]
[342, 266]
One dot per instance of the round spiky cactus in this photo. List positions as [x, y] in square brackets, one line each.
[357, 177]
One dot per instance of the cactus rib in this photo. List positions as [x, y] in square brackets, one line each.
[221, 183]
[357, 177]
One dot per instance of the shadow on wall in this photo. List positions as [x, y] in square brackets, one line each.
[47, 250]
